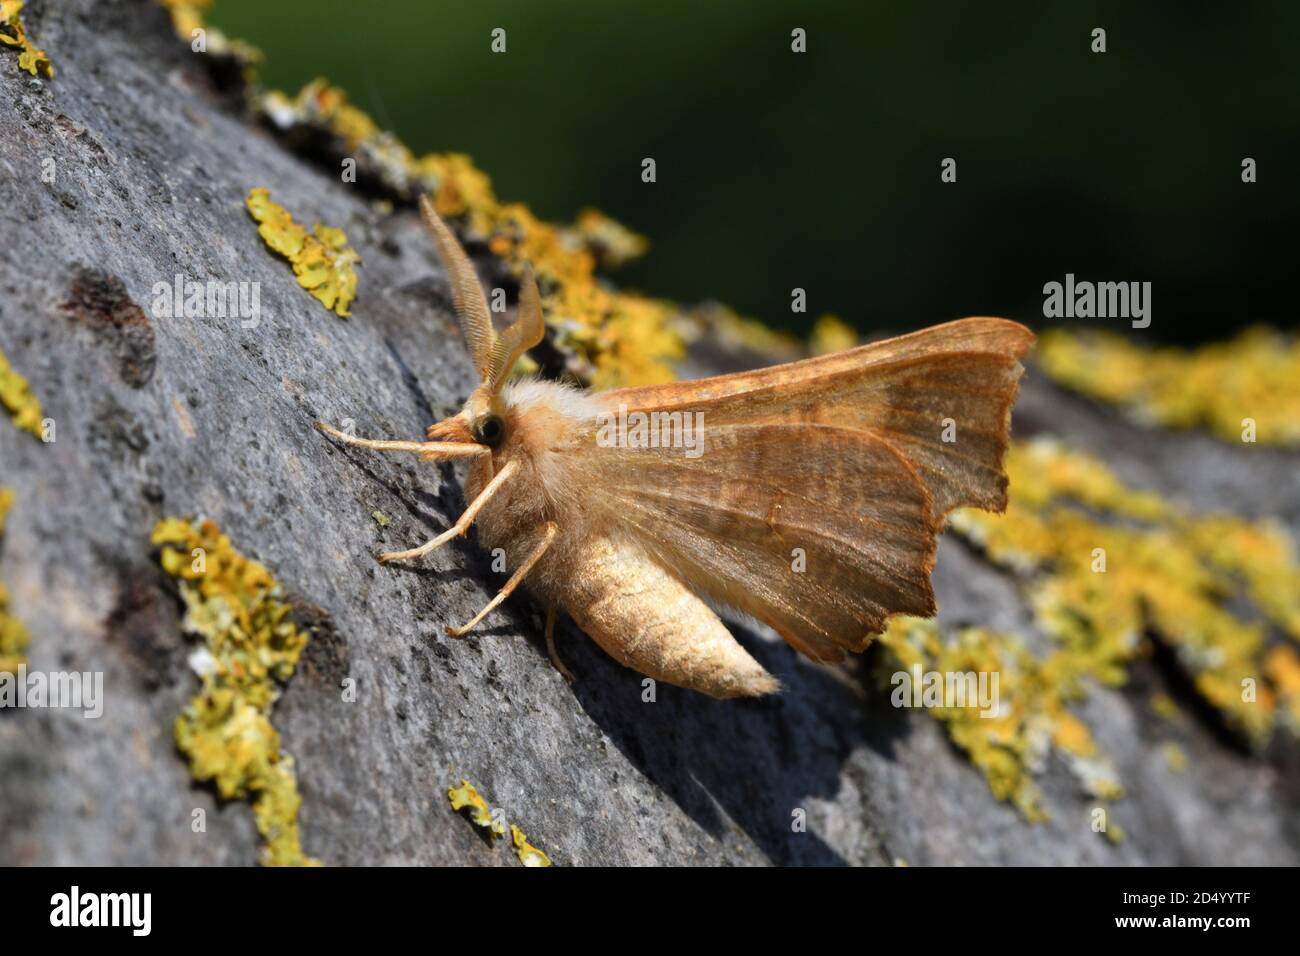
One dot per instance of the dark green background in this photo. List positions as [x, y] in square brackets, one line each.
[821, 170]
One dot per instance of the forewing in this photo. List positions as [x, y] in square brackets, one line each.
[941, 397]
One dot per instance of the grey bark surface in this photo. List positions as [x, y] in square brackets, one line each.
[159, 417]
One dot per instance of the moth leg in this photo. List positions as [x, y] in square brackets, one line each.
[547, 537]
[550, 646]
[462, 523]
[431, 450]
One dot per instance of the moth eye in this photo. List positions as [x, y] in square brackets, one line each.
[489, 430]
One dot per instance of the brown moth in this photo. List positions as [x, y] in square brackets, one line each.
[808, 495]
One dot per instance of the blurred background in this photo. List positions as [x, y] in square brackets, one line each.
[822, 170]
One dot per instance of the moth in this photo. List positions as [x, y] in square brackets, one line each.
[809, 495]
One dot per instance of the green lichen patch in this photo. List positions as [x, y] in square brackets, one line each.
[250, 648]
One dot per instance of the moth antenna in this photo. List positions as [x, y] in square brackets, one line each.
[466, 293]
[529, 329]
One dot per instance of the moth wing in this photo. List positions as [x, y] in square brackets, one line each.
[818, 531]
[846, 457]
[941, 396]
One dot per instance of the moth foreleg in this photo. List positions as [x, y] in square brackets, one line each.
[550, 646]
[463, 522]
[430, 449]
[552, 529]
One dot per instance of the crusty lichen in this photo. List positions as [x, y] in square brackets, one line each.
[1105, 565]
[528, 854]
[321, 259]
[16, 396]
[1282, 668]
[467, 800]
[1032, 719]
[830, 333]
[13, 635]
[189, 16]
[477, 811]
[1254, 376]
[250, 648]
[14, 34]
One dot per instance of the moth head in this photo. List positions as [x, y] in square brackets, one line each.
[483, 419]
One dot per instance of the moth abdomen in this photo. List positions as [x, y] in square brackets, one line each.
[645, 618]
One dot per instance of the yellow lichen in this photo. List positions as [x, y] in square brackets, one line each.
[187, 15]
[612, 242]
[1103, 565]
[1163, 706]
[829, 334]
[1282, 669]
[13, 635]
[1226, 386]
[188, 20]
[1011, 746]
[736, 332]
[325, 106]
[14, 34]
[16, 396]
[466, 798]
[322, 259]
[250, 648]
[609, 337]
[1175, 757]
[528, 854]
